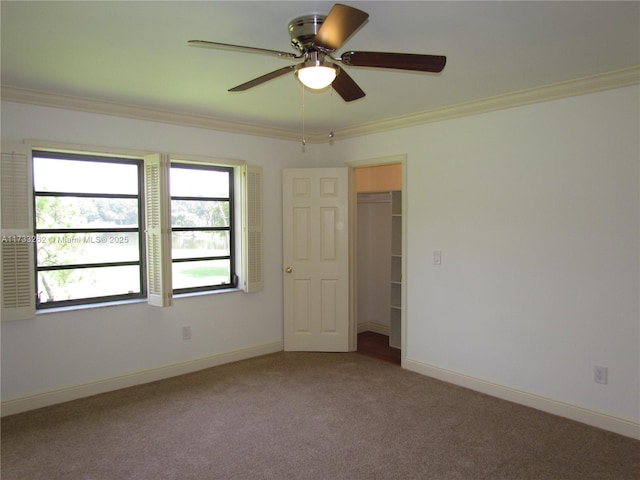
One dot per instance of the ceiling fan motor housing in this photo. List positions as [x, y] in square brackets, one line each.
[303, 30]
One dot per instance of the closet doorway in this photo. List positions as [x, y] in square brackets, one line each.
[378, 260]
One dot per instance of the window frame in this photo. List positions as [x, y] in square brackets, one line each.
[141, 262]
[231, 227]
[17, 263]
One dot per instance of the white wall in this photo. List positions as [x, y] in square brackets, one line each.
[536, 210]
[373, 260]
[61, 350]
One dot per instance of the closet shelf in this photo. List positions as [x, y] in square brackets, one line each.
[395, 330]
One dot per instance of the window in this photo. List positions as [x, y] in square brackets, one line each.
[88, 237]
[202, 227]
[86, 227]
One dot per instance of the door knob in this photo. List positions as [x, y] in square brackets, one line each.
[288, 269]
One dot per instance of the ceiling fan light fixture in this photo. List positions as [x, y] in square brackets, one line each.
[317, 76]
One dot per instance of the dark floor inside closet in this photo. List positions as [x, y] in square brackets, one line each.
[376, 345]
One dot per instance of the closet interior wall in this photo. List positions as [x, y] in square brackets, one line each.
[379, 275]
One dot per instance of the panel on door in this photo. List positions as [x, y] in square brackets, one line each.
[316, 263]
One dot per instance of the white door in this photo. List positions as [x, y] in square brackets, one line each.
[316, 259]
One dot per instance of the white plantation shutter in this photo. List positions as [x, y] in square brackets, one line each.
[16, 219]
[158, 229]
[252, 229]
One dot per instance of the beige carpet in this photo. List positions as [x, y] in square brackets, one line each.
[306, 416]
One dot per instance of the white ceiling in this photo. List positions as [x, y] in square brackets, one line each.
[135, 52]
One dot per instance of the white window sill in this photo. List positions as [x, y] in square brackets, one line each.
[118, 303]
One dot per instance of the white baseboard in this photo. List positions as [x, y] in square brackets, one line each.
[373, 327]
[31, 402]
[628, 428]
[611, 423]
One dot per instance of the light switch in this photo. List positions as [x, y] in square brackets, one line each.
[437, 257]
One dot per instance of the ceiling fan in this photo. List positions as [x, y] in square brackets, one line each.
[317, 37]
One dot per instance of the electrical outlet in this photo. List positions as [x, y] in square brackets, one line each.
[186, 333]
[600, 374]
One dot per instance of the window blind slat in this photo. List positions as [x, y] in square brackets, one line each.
[158, 229]
[253, 230]
[16, 219]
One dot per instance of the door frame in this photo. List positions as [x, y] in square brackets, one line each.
[353, 242]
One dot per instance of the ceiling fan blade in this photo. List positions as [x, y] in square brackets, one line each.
[400, 61]
[346, 87]
[339, 25]
[264, 78]
[228, 46]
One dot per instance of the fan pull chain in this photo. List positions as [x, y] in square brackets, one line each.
[331, 134]
[304, 141]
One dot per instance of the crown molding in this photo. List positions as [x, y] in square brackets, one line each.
[138, 112]
[594, 83]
